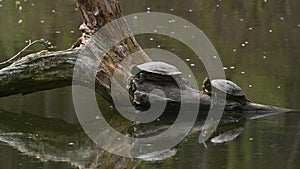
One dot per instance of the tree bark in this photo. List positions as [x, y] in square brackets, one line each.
[39, 71]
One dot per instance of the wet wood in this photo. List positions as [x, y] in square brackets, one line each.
[140, 93]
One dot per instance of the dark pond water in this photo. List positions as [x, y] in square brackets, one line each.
[258, 43]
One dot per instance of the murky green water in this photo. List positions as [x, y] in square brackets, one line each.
[257, 40]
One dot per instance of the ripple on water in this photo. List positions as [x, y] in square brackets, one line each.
[158, 155]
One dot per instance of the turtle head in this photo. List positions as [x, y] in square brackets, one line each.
[206, 86]
[134, 70]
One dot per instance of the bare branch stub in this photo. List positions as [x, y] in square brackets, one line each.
[16, 56]
[96, 14]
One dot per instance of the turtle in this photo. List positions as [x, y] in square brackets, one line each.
[232, 90]
[157, 72]
[149, 77]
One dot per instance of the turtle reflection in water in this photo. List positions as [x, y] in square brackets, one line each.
[234, 94]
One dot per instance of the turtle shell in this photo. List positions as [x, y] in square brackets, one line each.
[227, 87]
[159, 68]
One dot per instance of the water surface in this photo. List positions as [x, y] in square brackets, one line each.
[258, 43]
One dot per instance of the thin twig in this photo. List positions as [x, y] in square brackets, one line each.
[10, 61]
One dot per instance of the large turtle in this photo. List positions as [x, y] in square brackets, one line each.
[157, 72]
[152, 76]
[232, 90]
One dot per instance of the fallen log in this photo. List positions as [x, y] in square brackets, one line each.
[174, 97]
[39, 71]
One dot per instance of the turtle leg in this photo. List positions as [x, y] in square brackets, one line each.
[180, 82]
[141, 77]
[243, 100]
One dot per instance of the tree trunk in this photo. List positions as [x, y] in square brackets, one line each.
[48, 70]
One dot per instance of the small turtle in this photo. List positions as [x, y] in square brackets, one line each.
[157, 71]
[232, 90]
